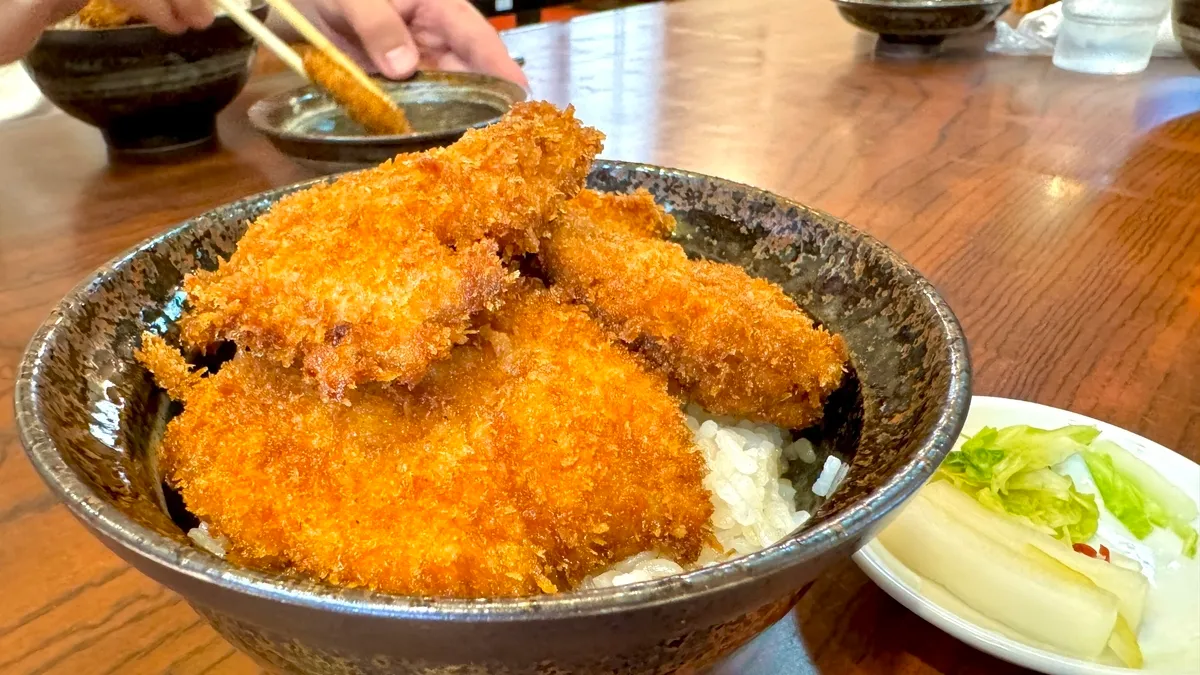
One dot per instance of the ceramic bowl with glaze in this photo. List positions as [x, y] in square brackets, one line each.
[89, 415]
[154, 96]
[1185, 17]
[306, 125]
[921, 22]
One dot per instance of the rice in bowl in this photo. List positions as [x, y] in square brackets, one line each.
[754, 504]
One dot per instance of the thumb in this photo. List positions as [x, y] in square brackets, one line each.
[384, 36]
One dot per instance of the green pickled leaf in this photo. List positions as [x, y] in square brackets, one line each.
[1188, 535]
[1029, 449]
[1043, 480]
[1008, 470]
[974, 461]
[1152, 484]
[1136, 495]
[1072, 520]
[1121, 497]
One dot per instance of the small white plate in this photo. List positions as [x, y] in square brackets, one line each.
[903, 585]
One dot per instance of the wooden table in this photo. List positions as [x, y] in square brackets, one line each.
[1057, 213]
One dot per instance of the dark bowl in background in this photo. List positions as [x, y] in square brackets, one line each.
[88, 416]
[306, 125]
[154, 96]
[1185, 16]
[921, 22]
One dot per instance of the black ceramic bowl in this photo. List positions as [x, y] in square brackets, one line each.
[306, 125]
[88, 414]
[1186, 19]
[153, 95]
[921, 22]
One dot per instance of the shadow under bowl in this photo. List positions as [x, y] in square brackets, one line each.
[307, 125]
[154, 96]
[920, 22]
[89, 415]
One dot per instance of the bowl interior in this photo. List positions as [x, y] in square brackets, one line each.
[90, 416]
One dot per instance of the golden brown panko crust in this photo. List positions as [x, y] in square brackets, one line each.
[736, 344]
[535, 455]
[105, 14]
[376, 276]
[379, 116]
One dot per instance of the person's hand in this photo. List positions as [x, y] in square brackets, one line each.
[396, 37]
[172, 16]
[22, 21]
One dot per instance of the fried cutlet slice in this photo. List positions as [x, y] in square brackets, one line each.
[375, 113]
[368, 494]
[105, 14]
[535, 455]
[736, 344]
[376, 275]
[602, 462]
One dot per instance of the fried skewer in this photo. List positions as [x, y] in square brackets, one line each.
[364, 101]
[326, 67]
[372, 109]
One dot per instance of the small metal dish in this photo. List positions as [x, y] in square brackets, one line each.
[307, 125]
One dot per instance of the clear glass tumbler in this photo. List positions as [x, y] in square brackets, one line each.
[1108, 37]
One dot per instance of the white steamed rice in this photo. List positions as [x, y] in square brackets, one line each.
[201, 537]
[754, 506]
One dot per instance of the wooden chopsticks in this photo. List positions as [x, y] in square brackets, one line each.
[327, 67]
[309, 32]
[317, 39]
[242, 17]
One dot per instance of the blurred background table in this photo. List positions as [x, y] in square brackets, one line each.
[1057, 213]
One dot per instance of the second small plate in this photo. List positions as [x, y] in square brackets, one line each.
[308, 126]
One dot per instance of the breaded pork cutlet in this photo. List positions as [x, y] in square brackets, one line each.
[375, 276]
[736, 344]
[603, 465]
[535, 455]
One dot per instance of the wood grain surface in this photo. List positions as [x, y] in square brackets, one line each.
[1057, 213]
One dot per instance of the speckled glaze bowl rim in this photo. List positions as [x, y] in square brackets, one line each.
[129, 30]
[799, 548]
[258, 111]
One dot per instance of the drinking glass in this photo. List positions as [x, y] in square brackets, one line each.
[1108, 37]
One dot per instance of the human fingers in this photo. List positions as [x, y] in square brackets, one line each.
[161, 13]
[448, 61]
[24, 20]
[197, 14]
[469, 37]
[383, 34]
[57, 10]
